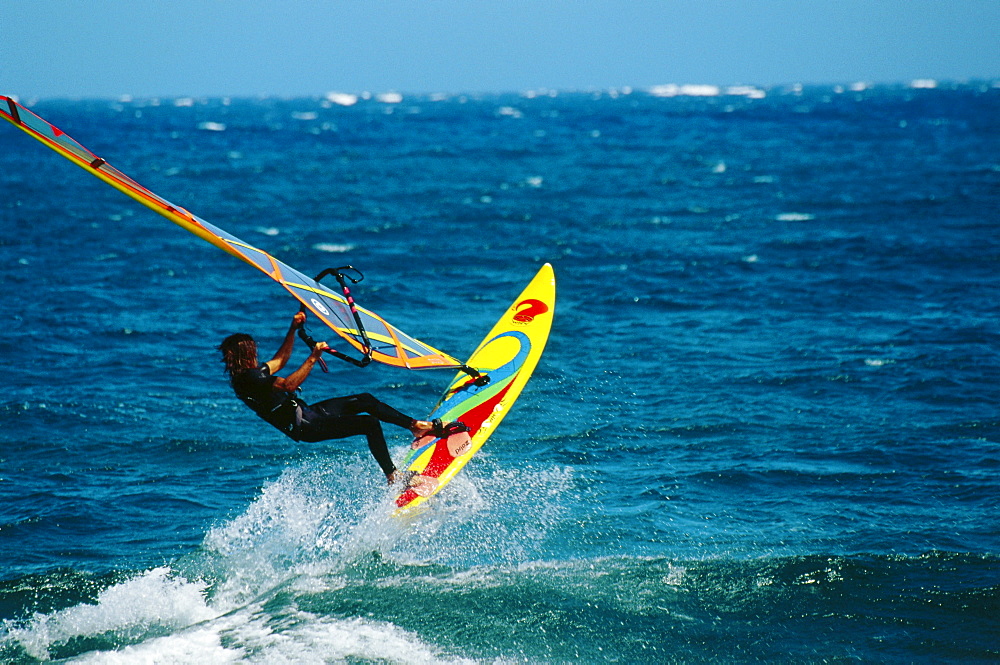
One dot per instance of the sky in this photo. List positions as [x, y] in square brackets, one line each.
[213, 48]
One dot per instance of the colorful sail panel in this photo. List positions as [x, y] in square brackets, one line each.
[384, 342]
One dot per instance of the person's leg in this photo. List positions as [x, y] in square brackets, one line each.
[324, 428]
[352, 405]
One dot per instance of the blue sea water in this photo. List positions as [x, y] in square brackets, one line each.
[765, 427]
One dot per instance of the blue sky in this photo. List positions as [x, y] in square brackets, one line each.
[107, 48]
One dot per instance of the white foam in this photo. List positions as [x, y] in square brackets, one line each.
[131, 612]
[700, 90]
[541, 92]
[251, 635]
[184, 102]
[747, 91]
[675, 575]
[687, 90]
[923, 84]
[460, 525]
[322, 639]
[305, 115]
[342, 98]
[196, 645]
[212, 126]
[667, 90]
[333, 248]
[510, 112]
[389, 97]
[153, 601]
[310, 521]
[795, 217]
[296, 539]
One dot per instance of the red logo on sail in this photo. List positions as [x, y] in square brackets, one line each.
[532, 309]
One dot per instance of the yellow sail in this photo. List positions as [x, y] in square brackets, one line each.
[366, 331]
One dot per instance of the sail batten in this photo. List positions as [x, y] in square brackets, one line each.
[384, 342]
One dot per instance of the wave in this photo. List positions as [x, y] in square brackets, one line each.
[270, 584]
[314, 571]
[628, 608]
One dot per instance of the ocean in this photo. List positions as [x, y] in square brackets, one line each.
[765, 427]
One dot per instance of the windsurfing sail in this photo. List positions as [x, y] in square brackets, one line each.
[366, 331]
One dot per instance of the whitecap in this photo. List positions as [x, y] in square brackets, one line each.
[310, 638]
[145, 604]
[923, 84]
[268, 230]
[389, 97]
[667, 90]
[795, 217]
[700, 90]
[686, 90]
[333, 248]
[510, 112]
[342, 98]
[748, 91]
[305, 115]
[212, 126]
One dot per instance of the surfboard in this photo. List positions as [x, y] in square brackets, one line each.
[508, 355]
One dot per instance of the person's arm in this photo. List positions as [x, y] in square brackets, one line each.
[280, 358]
[292, 382]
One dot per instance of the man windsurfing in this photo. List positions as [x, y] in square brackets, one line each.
[274, 399]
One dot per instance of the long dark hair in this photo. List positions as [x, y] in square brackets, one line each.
[239, 352]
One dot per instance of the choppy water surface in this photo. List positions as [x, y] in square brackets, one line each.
[765, 426]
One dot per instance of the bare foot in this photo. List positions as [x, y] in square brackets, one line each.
[421, 428]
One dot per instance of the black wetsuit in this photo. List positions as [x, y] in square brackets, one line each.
[335, 418]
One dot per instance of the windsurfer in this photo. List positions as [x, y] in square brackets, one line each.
[274, 399]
